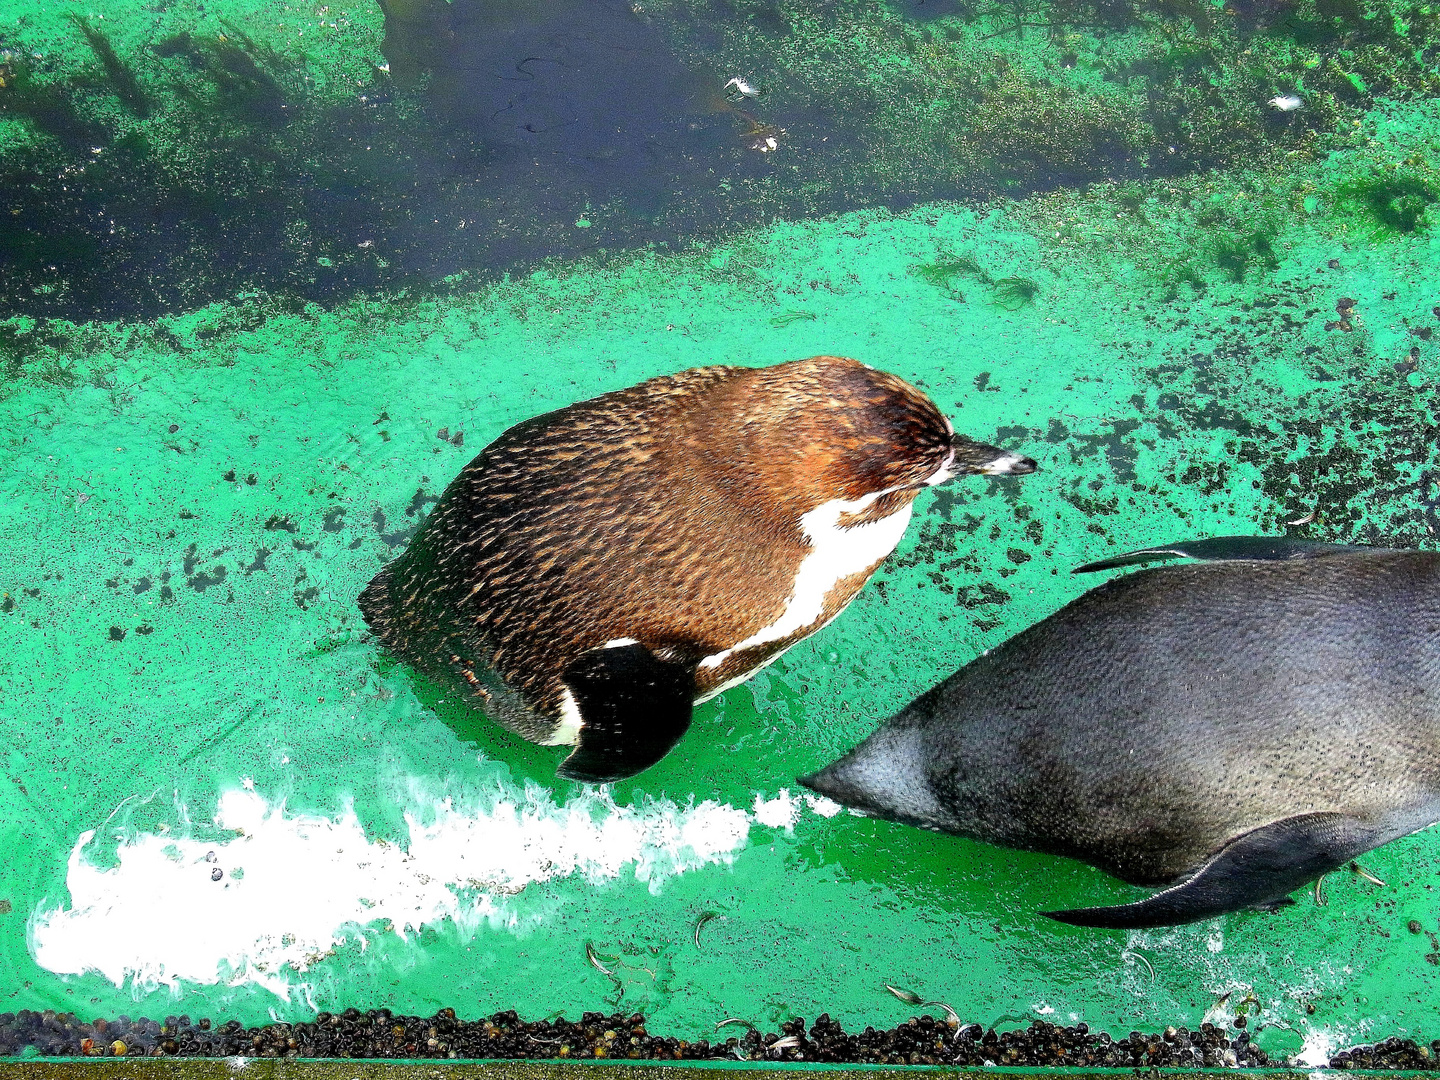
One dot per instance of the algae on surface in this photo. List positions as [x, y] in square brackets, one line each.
[1237, 337]
[153, 161]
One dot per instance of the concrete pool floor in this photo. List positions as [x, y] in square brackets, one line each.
[190, 502]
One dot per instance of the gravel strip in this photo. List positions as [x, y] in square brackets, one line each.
[379, 1033]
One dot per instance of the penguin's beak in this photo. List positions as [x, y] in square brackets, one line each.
[973, 457]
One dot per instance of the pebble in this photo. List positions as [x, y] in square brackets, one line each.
[379, 1033]
[1393, 1053]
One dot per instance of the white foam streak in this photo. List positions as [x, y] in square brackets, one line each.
[294, 887]
[781, 812]
[826, 808]
[1317, 1049]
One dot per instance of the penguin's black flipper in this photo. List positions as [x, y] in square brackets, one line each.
[1256, 869]
[1227, 549]
[633, 706]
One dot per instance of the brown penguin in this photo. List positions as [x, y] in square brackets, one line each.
[598, 570]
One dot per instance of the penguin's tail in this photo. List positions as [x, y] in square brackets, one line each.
[885, 776]
[375, 606]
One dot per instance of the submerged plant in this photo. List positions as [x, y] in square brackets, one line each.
[127, 87]
[1028, 132]
[235, 66]
[1183, 273]
[789, 317]
[1397, 202]
[942, 274]
[50, 109]
[1013, 293]
[58, 373]
[1236, 256]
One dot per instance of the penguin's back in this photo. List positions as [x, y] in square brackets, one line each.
[571, 525]
[1158, 715]
[676, 514]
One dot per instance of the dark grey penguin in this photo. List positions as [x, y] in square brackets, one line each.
[596, 571]
[1232, 728]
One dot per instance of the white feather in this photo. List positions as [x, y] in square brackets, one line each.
[567, 731]
[836, 552]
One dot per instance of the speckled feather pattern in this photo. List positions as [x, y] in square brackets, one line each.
[666, 512]
[1164, 713]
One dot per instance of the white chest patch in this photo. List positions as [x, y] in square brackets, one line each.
[567, 730]
[835, 554]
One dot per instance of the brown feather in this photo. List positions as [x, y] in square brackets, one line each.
[667, 512]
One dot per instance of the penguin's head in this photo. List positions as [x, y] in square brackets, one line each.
[838, 429]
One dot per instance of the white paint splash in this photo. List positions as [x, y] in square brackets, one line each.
[285, 889]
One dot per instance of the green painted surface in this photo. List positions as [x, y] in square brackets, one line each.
[191, 504]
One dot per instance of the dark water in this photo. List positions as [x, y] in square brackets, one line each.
[199, 165]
